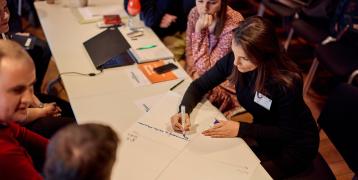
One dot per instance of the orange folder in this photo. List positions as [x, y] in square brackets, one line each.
[147, 69]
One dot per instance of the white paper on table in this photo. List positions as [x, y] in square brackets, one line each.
[230, 151]
[191, 166]
[145, 104]
[140, 157]
[152, 139]
[137, 77]
[156, 123]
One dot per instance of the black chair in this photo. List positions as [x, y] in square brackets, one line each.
[340, 58]
[314, 23]
[285, 9]
[339, 120]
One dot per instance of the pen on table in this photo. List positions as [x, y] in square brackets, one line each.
[147, 47]
[182, 112]
[176, 85]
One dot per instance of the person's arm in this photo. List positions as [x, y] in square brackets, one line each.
[19, 166]
[150, 14]
[190, 69]
[292, 114]
[209, 80]
[48, 110]
[200, 49]
[31, 141]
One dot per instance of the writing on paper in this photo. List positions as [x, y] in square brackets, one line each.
[164, 132]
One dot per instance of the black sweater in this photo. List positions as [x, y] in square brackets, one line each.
[287, 126]
[152, 12]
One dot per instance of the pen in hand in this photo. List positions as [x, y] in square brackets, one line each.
[182, 112]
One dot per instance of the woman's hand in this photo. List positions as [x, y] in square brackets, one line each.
[204, 21]
[177, 125]
[223, 129]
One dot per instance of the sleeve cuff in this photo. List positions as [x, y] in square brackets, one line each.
[244, 129]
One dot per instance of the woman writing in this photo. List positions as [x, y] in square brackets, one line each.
[269, 86]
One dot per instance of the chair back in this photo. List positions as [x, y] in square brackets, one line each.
[339, 120]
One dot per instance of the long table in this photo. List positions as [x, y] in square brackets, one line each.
[107, 97]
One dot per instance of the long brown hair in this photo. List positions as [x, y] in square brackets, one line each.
[258, 39]
[220, 24]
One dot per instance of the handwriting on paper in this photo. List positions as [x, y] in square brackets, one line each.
[164, 131]
[132, 136]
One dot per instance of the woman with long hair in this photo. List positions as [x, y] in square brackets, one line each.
[269, 86]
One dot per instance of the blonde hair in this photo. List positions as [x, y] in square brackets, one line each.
[12, 50]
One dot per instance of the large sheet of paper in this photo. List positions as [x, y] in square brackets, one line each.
[169, 153]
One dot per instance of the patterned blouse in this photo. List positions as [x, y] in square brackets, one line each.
[204, 49]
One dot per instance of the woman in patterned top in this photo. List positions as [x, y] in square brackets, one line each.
[208, 39]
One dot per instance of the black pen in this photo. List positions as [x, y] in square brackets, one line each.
[176, 85]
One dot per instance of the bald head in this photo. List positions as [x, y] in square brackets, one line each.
[17, 76]
[12, 50]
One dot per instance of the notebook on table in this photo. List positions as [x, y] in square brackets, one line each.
[109, 49]
[153, 53]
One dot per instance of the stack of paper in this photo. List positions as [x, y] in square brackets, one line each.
[152, 54]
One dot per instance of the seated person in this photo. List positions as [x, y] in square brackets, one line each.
[21, 150]
[269, 86]
[40, 51]
[83, 152]
[44, 124]
[208, 39]
[168, 20]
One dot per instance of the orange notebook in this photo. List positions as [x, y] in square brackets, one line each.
[147, 69]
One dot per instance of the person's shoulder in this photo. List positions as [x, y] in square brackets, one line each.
[193, 13]
[234, 16]
[10, 128]
[233, 19]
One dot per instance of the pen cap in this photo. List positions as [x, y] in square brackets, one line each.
[182, 109]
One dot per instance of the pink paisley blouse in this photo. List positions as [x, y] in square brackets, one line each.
[204, 49]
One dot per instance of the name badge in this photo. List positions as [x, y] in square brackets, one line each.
[262, 100]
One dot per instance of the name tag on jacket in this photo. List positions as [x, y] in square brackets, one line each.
[262, 100]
